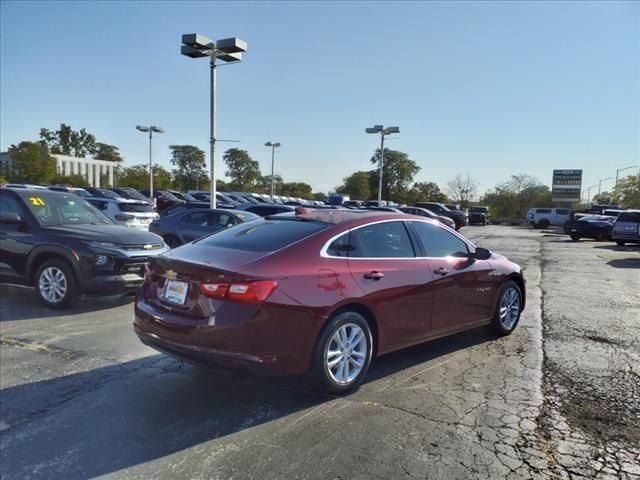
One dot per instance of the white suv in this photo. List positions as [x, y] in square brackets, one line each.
[129, 213]
[543, 217]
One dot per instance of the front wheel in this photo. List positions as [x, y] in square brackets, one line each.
[620, 243]
[56, 284]
[343, 353]
[575, 237]
[508, 309]
[601, 236]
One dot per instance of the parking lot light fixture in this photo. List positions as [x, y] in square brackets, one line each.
[600, 183]
[622, 170]
[150, 129]
[273, 149]
[228, 50]
[383, 132]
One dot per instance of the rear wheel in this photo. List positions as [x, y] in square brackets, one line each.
[56, 284]
[508, 309]
[575, 237]
[621, 243]
[343, 353]
[544, 223]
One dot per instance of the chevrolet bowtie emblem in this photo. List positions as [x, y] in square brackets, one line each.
[170, 274]
[148, 246]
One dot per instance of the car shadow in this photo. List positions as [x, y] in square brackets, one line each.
[123, 415]
[621, 248]
[20, 303]
[631, 262]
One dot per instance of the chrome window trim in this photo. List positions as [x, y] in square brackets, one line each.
[435, 223]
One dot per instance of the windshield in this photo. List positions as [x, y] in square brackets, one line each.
[81, 192]
[479, 209]
[136, 195]
[169, 196]
[189, 198]
[596, 218]
[63, 209]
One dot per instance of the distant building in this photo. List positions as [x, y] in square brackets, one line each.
[89, 168]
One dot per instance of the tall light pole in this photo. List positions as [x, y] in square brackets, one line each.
[383, 132]
[600, 183]
[150, 129]
[622, 170]
[228, 50]
[273, 153]
[589, 193]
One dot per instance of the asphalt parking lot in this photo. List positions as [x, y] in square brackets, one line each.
[81, 397]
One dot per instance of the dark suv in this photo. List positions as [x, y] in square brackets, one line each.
[439, 209]
[479, 215]
[64, 247]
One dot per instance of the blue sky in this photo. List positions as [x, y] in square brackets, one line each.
[485, 88]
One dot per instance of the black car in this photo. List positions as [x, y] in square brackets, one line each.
[479, 215]
[265, 210]
[64, 247]
[598, 227]
[102, 192]
[439, 209]
[163, 199]
[131, 194]
[186, 226]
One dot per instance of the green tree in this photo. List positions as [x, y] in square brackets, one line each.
[137, 177]
[190, 170]
[429, 192]
[67, 141]
[356, 186]
[295, 189]
[263, 185]
[627, 192]
[242, 170]
[397, 174]
[319, 196]
[513, 198]
[32, 163]
[75, 180]
[107, 152]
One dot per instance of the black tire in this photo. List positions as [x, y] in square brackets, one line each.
[322, 378]
[601, 236]
[172, 241]
[620, 243]
[543, 224]
[484, 223]
[71, 291]
[575, 237]
[497, 326]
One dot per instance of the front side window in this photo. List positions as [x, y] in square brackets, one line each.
[200, 219]
[562, 211]
[9, 204]
[543, 210]
[381, 240]
[438, 242]
[632, 217]
[68, 209]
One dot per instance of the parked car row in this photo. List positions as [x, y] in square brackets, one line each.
[621, 226]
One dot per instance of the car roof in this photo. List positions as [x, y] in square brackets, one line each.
[353, 217]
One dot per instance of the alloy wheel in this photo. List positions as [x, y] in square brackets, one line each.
[509, 308]
[346, 353]
[53, 284]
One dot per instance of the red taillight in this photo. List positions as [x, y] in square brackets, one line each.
[246, 292]
[214, 290]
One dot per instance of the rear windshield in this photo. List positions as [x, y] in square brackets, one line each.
[629, 217]
[136, 207]
[263, 235]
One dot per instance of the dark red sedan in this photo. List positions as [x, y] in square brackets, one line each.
[323, 291]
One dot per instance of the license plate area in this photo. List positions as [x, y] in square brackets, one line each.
[176, 292]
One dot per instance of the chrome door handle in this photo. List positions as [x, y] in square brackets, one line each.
[373, 275]
[441, 271]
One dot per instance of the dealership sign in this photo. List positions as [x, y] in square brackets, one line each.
[567, 186]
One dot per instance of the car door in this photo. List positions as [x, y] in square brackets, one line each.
[195, 225]
[382, 262]
[16, 239]
[464, 288]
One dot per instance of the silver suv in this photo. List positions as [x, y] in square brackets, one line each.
[627, 227]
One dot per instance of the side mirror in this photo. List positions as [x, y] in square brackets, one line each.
[481, 254]
[11, 218]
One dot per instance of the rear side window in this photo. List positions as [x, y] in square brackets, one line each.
[438, 242]
[196, 218]
[381, 240]
[99, 204]
[136, 207]
[263, 235]
[562, 211]
[340, 246]
[633, 217]
[543, 210]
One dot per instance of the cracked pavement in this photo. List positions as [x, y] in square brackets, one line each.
[80, 397]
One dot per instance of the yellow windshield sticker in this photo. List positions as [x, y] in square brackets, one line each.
[37, 201]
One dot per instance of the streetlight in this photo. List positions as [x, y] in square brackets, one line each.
[589, 193]
[228, 50]
[622, 170]
[150, 129]
[600, 183]
[383, 132]
[273, 150]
